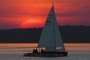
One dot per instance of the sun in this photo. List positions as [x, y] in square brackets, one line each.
[31, 23]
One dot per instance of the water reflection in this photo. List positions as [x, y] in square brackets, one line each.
[24, 47]
[14, 51]
[35, 44]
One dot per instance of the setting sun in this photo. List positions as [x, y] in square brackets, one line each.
[31, 23]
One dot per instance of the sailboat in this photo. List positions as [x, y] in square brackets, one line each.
[50, 39]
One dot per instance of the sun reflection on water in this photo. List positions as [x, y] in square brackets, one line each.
[35, 44]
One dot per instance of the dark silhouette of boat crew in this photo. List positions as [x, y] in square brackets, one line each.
[42, 51]
[35, 51]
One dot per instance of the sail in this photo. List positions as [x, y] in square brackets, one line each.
[50, 36]
[47, 38]
[59, 41]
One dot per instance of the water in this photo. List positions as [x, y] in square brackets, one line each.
[16, 51]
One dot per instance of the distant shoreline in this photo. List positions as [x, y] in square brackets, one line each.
[70, 34]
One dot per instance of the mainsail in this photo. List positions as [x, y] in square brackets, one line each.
[50, 37]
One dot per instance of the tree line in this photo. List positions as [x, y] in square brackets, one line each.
[70, 34]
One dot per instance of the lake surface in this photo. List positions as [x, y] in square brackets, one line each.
[76, 51]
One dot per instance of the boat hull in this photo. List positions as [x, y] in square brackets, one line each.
[50, 54]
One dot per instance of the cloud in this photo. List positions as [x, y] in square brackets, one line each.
[7, 12]
[73, 13]
[12, 12]
[81, 10]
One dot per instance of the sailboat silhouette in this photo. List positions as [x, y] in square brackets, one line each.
[50, 39]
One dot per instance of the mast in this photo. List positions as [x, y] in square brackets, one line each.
[54, 27]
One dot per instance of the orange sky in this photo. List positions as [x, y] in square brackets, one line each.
[14, 13]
